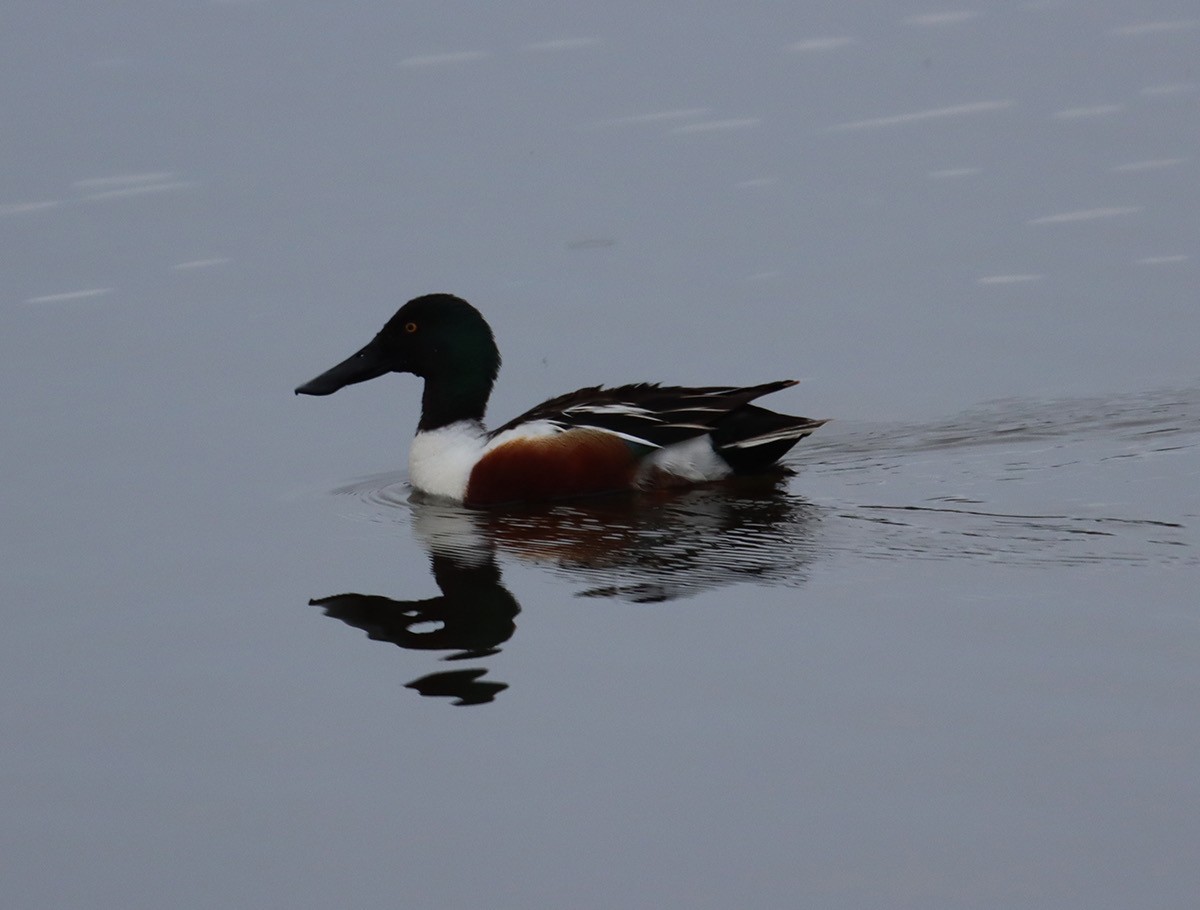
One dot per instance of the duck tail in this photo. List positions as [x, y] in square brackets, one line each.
[751, 439]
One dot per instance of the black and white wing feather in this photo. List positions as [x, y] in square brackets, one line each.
[658, 416]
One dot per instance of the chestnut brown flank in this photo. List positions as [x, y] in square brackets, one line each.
[573, 463]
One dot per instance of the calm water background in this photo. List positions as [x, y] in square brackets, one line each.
[952, 663]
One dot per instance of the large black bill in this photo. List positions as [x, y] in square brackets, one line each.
[366, 364]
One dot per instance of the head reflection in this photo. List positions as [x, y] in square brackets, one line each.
[472, 618]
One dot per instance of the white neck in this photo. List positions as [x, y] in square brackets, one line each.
[440, 461]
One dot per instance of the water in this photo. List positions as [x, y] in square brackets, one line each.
[949, 661]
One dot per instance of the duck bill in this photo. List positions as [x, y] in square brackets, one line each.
[368, 363]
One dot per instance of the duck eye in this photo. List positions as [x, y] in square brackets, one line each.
[410, 327]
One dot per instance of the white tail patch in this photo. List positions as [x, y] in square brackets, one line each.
[693, 461]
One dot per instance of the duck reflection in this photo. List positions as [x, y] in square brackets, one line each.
[660, 547]
[473, 617]
[645, 549]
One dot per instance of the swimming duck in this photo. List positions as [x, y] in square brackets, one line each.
[594, 440]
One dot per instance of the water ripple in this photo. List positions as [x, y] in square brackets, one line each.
[1073, 482]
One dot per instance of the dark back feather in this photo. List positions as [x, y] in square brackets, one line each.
[658, 415]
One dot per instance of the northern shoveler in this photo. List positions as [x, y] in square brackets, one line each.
[594, 440]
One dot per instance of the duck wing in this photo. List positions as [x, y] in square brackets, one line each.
[646, 413]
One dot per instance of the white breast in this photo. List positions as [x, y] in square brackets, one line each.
[440, 461]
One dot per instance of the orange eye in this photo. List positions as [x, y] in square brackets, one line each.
[410, 327]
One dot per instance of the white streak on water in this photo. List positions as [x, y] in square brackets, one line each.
[1171, 88]
[92, 183]
[1162, 260]
[717, 126]
[201, 263]
[937, 20]
[1087, 214]
[1095, 110]
[591, 243]
[70, 295]
[937, 113]
[443, 59]
[1149, 165]
[951, 172]
[819, 45]
[562, 44]
[682, 113]
[1151, 28]
[20, 208]
[142, 190]
[1009, 279]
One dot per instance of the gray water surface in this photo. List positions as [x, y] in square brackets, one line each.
[951, 661]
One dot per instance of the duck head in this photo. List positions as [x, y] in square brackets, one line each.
[437, 336]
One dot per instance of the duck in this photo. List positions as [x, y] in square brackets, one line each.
[595, 440]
